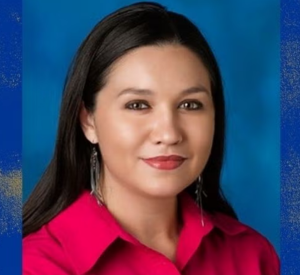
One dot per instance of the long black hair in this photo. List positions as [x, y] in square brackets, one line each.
[140, 24]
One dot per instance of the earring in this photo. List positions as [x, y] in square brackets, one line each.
[95, 171]
[199, 191]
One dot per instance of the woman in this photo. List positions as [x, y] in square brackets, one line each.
[134, 184]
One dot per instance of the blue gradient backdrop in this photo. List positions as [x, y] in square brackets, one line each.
[245, 38]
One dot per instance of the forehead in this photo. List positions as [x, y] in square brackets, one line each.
[159, 68]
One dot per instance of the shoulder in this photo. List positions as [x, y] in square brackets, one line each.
[42, 253]
[57, 247]
[248, 244]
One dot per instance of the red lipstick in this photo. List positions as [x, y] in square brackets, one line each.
[165, 162]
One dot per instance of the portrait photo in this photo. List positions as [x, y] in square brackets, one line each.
[152, 129]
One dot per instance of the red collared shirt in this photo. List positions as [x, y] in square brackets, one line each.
[86, 239]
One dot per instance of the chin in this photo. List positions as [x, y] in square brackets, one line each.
[163, 191]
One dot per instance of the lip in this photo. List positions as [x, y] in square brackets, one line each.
[167, 158]
[165, 162]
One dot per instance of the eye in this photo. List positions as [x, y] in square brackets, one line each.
[192, 105]
[136, 105]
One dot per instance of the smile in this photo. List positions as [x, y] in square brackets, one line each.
[164, 164]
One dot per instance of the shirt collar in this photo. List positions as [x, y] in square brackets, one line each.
[221, 221]
[85, 229]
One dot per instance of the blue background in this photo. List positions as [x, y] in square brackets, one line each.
[244, 36]
[10, 130]
[290, 137]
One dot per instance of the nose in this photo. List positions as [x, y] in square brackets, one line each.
[166, 129]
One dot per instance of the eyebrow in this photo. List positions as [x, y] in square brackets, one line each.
[136, 91]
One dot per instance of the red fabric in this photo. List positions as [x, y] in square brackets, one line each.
[86, 239]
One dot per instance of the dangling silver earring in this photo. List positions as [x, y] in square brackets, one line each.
[95, 172]
[199, 191]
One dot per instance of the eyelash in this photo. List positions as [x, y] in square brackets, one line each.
[130, 105]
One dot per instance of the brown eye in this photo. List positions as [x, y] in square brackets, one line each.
[191, 105]
[137, 105]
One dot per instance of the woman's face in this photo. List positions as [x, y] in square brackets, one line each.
[157, 102]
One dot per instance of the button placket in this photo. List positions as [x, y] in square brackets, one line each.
[159, 262]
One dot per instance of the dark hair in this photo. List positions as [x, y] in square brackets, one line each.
[137, 25]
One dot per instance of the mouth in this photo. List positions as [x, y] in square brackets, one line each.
[165, 162]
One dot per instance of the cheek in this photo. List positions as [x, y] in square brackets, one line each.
[117, 134]
[201, 137]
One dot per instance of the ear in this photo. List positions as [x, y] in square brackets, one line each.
[88, 124]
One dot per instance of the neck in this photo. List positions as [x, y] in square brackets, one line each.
[153, 221]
